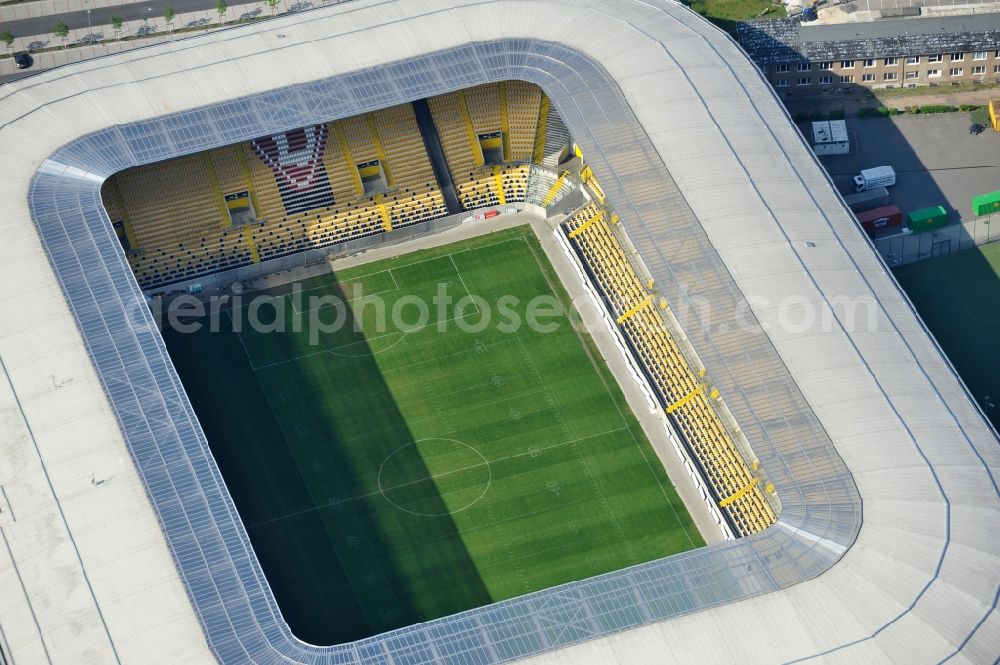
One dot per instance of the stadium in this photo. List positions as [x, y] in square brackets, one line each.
[737, 442]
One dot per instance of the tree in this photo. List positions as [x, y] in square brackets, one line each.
[116, 24]
[168, 16]
[273, 4]
[61, 31]
[221, 7]
[7, 37]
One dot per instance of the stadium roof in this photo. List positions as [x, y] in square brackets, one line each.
[885, 548]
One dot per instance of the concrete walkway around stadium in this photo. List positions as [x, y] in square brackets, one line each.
[73, 13]
[148, 24]
[653, 423]
[57, 58]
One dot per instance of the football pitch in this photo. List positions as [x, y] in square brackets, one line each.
[400, 462]
[958, 296]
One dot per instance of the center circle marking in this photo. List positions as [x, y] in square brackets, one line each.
[384, 491]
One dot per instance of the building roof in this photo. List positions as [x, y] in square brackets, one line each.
[788, 40]
[885, 8]
[885, 546]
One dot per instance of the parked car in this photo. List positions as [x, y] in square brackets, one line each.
[22, 60]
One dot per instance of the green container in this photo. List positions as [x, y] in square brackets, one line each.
[926, 219]
[986, 204]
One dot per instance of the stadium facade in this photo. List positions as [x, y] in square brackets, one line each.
[884, 550]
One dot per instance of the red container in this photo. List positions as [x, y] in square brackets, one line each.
[490, 213]
[879, 218]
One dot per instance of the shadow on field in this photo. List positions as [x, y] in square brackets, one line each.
[300, 445]
[957, 298]
[937, 162]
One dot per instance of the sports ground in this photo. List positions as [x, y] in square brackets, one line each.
[391, 473]
[958, 296]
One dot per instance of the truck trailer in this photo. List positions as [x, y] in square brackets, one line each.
[867, 200]
[880, 176]
[879, 218]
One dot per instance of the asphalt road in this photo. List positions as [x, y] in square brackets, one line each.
[100, 19]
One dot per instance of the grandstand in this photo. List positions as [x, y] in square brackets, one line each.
[683, 391]
[321, 185]
[121, 542]
[300, 189]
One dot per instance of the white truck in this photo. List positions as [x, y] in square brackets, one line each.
[880, 176]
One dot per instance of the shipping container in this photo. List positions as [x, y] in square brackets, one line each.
[926, 219]
[879, 218]
[873, 198]
[986, 204]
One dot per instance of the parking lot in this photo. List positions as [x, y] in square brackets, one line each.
[937, 160]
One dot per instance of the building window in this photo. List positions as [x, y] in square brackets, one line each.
[912, 75]
[825, 80]
[804, 80]
[869, 62]
[996, 69]
[805, 66]
[957, 57]
[890, 76]
[847, 64]
[956, 71]
[867, 78]
[935, 58]
[933, 73]
[913, 59]
[979, 55]
[781, 83]
[824, 66]
[890, 62]
[780, 69]
[978, 70]
[847, 79]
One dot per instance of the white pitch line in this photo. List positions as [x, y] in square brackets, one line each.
[434, 477]
[461, 279]
[334, 350]
[343, 300]
[239, 336]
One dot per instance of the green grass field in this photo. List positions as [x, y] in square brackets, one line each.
[727, 13]
[958, 297]
[397, 474]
